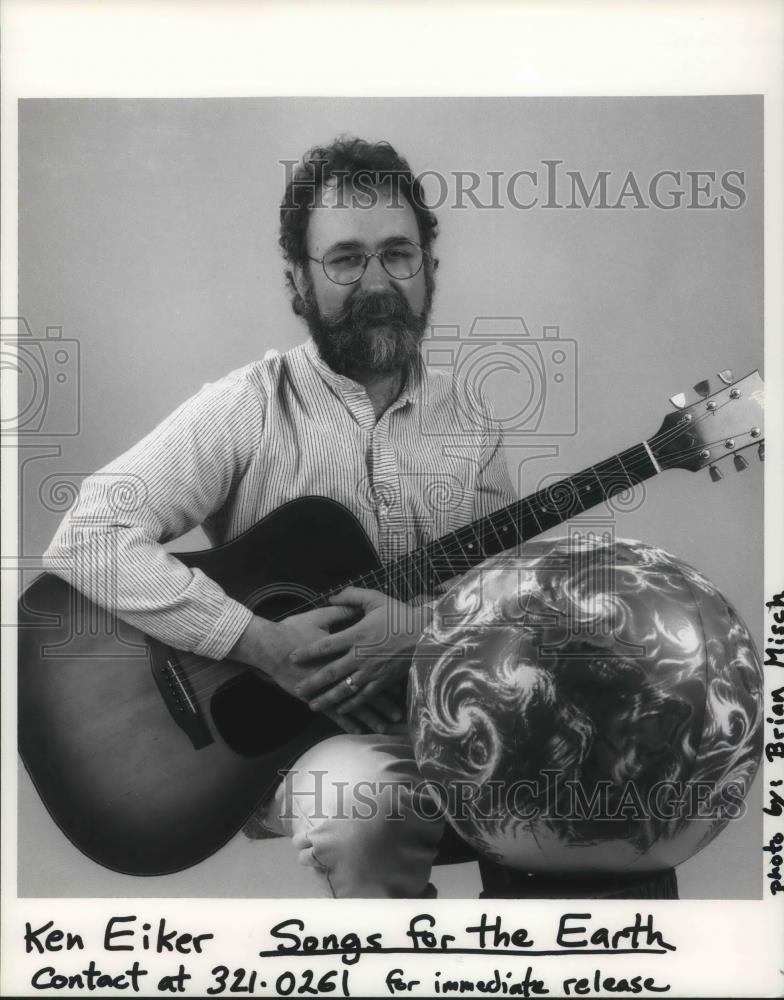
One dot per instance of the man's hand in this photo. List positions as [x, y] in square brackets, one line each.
[366, 657]
[267, 646]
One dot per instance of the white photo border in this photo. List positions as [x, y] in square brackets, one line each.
[206, 48]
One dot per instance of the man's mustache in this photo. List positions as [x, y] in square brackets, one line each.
[364, 307]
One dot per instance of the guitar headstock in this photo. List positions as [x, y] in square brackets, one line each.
[720, 424]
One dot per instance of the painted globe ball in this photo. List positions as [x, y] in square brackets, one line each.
[587, 705]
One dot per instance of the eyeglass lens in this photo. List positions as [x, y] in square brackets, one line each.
[400, 260]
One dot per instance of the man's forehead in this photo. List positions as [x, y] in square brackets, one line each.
[359, 213]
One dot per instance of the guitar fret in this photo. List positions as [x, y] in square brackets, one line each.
[422, 577]
[495, 532]
[390, 585]
[463, 560]
[532, 513]
[598, 483]
[617, 483]
[444, 555]
[512, 524]
[441, 563]
[580, 493]
[406, 578]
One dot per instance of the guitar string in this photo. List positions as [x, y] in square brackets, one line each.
[469, 536]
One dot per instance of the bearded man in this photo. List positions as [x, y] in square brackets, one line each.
[352, 415]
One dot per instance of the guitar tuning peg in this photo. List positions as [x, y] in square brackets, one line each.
[740, 463]
[761, 451]
[678, 401]
[715, 473]
[726, 376]
[702, 388]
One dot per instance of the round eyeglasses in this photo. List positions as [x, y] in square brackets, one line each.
[346, 265]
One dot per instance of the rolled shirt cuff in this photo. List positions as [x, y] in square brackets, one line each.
[226, 632]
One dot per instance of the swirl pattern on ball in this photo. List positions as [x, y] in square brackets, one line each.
[584, 705]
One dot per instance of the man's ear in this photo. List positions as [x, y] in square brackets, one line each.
[301, 279]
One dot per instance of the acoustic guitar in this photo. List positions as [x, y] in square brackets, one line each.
[150, 759]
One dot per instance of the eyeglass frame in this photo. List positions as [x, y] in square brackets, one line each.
[375, 253]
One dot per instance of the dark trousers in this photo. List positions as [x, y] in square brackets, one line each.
[504, 883]
[499, 882]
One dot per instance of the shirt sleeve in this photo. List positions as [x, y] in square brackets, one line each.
[110, 544]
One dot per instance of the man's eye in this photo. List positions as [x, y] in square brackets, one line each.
[346, 260]
[403, 252]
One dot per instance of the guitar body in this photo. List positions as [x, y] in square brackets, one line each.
[150, 759]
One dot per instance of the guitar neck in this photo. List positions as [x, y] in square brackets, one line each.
[421, 571]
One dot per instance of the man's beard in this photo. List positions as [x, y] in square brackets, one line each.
[375, 333]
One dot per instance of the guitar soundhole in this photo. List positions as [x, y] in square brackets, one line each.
[254, 718]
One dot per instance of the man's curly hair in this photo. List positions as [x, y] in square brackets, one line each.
[347, 160]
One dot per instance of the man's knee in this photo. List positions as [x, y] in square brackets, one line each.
[352, 779]
[354, 811]
[368, 852]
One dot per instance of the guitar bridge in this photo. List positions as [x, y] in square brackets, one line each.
[173, 685]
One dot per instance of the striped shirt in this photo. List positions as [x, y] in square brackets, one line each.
[278, 429]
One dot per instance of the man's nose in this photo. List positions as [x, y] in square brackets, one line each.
[375, 278]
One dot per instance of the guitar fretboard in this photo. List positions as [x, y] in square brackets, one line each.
[421, 571]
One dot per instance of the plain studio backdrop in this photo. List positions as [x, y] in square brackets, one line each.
[148, 236]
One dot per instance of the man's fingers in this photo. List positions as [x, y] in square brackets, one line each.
[333, 614]
[358, 721]
[346, 722]
[357, 597]
[370, 694]
[384, 704]
[372, 719]
[323, 649]
[328, 683]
